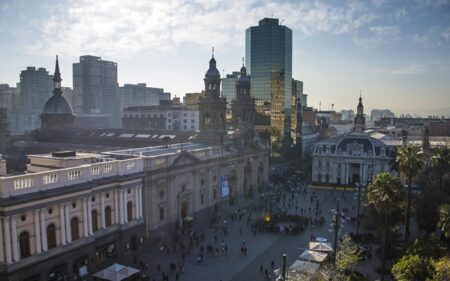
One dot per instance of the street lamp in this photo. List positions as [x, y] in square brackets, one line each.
[336, 221]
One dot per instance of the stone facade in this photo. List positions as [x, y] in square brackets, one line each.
[349, 159]
[66, 222]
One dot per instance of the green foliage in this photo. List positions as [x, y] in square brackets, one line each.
[385, 193]
[409, 159]
[347, 256]
[427, 208]
[429, 247]
[444, 219]
[412, 268]
[442, 269]
[440, 162]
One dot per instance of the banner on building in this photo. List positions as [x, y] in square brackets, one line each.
[225, 187]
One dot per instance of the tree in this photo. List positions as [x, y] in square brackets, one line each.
[442, 269]
[384, 194]
[412, 268]
[440, 162]
[347, 256]
[444, 220]
[410, 162]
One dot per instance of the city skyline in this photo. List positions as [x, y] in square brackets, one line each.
[396, 53]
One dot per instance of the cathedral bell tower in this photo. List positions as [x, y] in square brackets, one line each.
[360, 119]
[212, 108]
[243, 107]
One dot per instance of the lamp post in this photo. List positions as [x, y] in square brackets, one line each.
[336, 222]
[357, 208]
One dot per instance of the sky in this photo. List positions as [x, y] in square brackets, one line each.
[395, 52]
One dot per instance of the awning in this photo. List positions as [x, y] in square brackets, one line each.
[304, 267]
[116, 272]
[313, 256]
[188, 218]
[320, 247]
[321, 239]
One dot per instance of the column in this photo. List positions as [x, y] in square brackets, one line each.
[62, 223]
[15, 239]
[141, 211]
[102, 211]
[68, 228]
[85, 218]
[116, 207]
[44, 231]
[125, 211]
[7, 239]
[2, 250]
[136, 203]
[37, 232]
[121, 207]
[89, 206]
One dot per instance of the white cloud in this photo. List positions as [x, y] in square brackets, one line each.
[122, 28]
[379, 35]
[435, 36]
[410, 69]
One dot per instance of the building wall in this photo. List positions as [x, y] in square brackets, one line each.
[139, 94]
[268, 50]
[40, 200]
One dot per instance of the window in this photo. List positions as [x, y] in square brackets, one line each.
[94, 215]
[51, 236]
[202, 199]
[214, 193]
[185, 127]
[108, 217]
[192, 127]
[74, 224]
[24, 243]
[192, 121]
[184, 120]
[129, 211]
[161, 213]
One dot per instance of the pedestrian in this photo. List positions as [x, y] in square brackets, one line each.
[240, 230]
[177, 276]
[261, 268]
[272, 264]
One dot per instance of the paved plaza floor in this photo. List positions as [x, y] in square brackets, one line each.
[263, 248]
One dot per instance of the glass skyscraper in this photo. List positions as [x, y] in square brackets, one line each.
[268, 49]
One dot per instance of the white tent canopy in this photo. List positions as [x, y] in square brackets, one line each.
[116, 272]
[300, 270]
[320, 247]
[313, 256]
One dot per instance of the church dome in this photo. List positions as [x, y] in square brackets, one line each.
[57, 104]
[212, 71]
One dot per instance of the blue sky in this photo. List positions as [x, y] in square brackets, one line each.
[396, 52]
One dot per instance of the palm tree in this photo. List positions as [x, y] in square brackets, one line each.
[440, 162]
[409, 161]
[385, 193]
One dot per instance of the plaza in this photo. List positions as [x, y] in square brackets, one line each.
[263, 248]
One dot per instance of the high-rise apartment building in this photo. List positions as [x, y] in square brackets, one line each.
[36, 87]
[139, 95]
[95, 87]
[10, 99]
[229, 87]
[268, 50]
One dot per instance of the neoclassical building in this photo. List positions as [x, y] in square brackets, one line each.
[65, 222]
[71, 213]
[350, 159]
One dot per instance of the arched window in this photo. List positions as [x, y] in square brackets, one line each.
[94, 220]
[51, 236]
[74, 223]
[24, 242]
[129, 211]
[108, 219]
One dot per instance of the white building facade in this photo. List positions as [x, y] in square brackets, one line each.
[350, 159]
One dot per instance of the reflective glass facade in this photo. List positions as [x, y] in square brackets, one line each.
[268, 48]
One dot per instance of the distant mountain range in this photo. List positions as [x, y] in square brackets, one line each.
[424, 112]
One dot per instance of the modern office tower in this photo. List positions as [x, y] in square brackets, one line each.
[139, 95]
[268, 50]
[297, 100]
[95, 85]
[165, 96]
[36, 87]
[67, 93]
[229, 87]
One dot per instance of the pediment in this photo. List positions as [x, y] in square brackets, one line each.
[185, 158]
